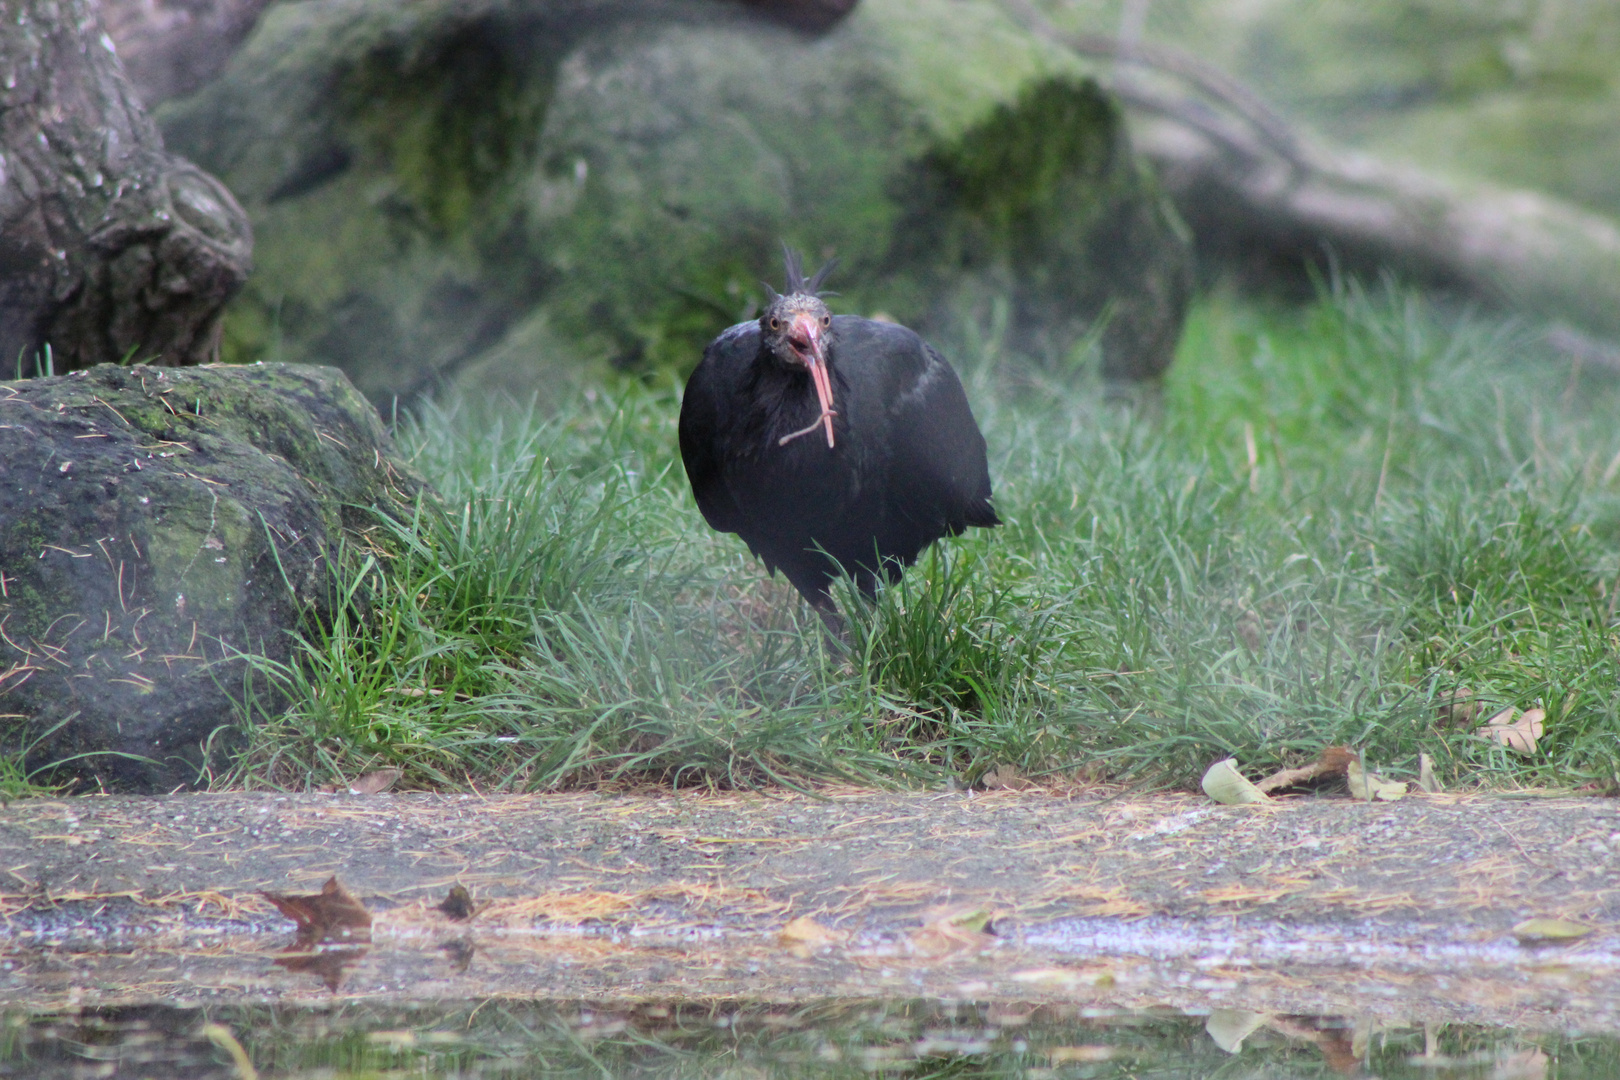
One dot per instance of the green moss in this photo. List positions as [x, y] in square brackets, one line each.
[1045, 197]
[1030, 165]
[455, 121]
[30, 605]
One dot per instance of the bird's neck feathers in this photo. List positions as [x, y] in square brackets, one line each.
[779, 397]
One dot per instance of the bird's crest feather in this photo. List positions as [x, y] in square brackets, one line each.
[793, 265]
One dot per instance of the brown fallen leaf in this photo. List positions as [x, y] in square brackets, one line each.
[1518, 735]
[804, 937]
[458, 904]
[952, 929]
[1072, 1055]
[1330, 764]
[333, 914]
[375, 782]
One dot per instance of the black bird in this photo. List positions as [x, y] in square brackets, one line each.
[831, 443]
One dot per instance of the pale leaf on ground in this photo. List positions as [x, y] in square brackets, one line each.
[1224, 784]
[1370, 786]
[375, 782]
[1549, 931]
[1519, 736]
[1007, 778]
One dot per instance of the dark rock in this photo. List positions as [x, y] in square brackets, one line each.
[155, 525]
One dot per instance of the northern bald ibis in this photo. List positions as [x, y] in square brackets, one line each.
[831, 443]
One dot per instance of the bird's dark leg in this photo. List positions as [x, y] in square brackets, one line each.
[834, 622]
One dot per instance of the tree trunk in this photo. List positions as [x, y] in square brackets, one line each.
[110, 248]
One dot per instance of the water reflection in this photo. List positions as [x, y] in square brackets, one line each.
[500, 1038]
[320, 959]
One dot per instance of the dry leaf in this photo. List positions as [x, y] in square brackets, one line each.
[1549, 931]
[1338, 1051]
[1064, 978]
[804, 937]
[1458, 708]
[1229, 1027]
[1065, 1055]
[1223, 783]
[375, 782]
[1251, 630]
[1426, 781]
[333, 914]
[1332, 762]
[1370, 786]
[221, 1036]
[1531, 1064]
[1519, 735]
[1007, 778]
[952, 929]
[458, 904]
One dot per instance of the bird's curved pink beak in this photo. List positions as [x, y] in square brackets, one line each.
[804, 335]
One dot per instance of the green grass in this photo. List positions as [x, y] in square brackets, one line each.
[1331, 519]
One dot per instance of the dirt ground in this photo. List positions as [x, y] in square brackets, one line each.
[1304, 905]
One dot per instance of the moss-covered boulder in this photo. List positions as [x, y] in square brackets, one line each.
[155, 525]
[523, 189]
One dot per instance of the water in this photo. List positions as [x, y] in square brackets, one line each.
[498, 1038]
[102, 990]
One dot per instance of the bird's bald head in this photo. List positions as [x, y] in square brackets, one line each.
[795, 329]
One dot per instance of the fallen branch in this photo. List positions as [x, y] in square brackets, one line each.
[1258, 192]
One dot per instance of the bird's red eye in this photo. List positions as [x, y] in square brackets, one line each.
[826, 321]
[775, 325]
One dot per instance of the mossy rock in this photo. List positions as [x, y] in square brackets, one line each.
[156, 524]
[547, 187]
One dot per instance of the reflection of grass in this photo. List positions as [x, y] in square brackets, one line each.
[1332, 518]
[835, 1039]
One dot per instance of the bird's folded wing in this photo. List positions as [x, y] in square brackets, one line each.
[700, 450]
[938, 450]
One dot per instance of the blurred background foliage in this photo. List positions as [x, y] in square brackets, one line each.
[1524, 92]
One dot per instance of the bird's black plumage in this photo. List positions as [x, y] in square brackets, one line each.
[901, 464]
